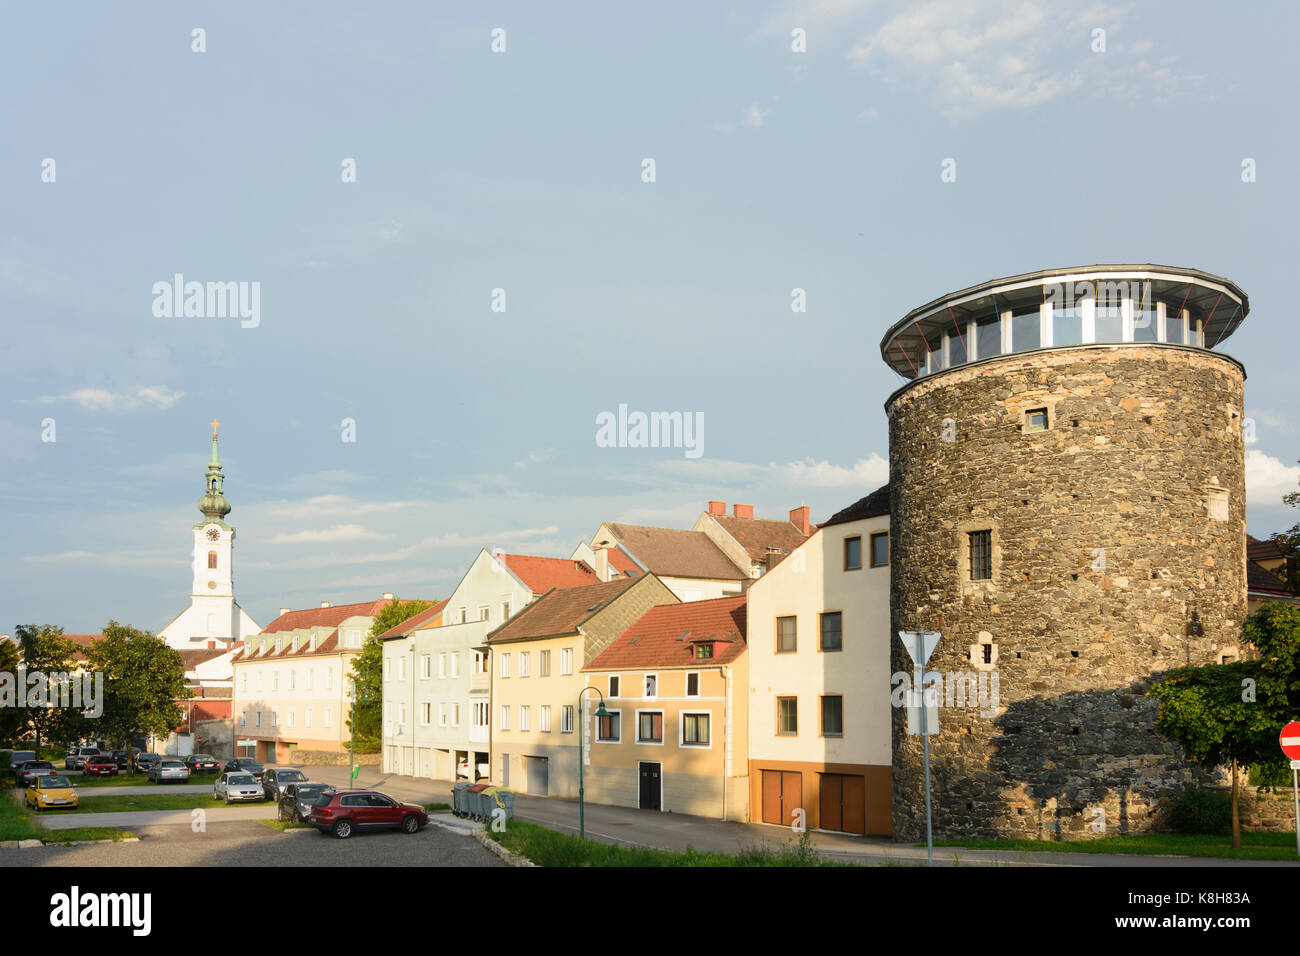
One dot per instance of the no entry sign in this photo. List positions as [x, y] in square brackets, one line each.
[1290, 740]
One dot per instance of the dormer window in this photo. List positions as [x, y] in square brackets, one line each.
[703, 652]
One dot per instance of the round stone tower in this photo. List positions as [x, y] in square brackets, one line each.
[1068, 511]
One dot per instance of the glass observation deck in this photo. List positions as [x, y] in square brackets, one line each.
[1058, 308]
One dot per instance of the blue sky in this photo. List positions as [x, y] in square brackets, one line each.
[522, 171]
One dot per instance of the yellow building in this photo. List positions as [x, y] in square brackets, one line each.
[675, 688]
[536, 660]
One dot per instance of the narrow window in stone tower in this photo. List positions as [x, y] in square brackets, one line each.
[1036, 420]
[981, 555]
[212, 559]
[988, 653]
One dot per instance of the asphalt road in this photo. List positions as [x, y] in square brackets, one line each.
[252, 844]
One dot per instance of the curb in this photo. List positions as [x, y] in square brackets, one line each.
[29, 844]
[508, 857]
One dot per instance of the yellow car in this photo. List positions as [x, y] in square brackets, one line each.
[51, 790]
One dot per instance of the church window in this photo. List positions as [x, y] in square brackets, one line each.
[212, 559]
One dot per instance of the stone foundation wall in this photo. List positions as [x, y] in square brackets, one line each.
[1108, 528]
[327, 758]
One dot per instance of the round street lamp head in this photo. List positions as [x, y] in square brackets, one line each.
[601, 711]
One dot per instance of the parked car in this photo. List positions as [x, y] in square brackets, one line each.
[168, 768]
[100, 765]
[19, 757]
[243, 765]
[143, 762]
[30, 770]
[275, 778]
[51, 790]
[343, 812]
[242, 787]
[76, 757]
[123, 759]
[297, 799]
[202, 763]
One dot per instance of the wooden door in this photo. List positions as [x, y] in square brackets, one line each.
[831, 802]
[650, 786]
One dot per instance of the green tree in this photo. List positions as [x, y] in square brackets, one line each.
[1232, 713]
[365, 720]
[143, 679]
[46, 651]
[1289, 543]
[10, 717]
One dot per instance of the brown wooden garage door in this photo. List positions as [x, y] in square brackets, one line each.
[782, 795]
[843, 803]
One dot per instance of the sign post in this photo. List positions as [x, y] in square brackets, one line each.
[919, 646]
[1290, 741]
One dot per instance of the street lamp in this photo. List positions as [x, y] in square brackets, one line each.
[582, 754]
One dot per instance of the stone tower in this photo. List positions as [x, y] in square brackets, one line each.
[1068, 510]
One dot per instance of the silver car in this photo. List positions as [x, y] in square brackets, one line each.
[238, 787]
[165, 770]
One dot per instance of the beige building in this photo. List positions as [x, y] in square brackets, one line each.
[536, 661]
[292, 682]
[819, 678]
[675, 690]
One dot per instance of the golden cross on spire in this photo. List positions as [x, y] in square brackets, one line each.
[214, 423]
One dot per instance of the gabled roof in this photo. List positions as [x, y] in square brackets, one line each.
[759, 536]
[1257, 550]
[327, 616]
[666, 636]
[619, 561]
[686, 554]
[559, 611]
[872, 506]
[193, 658]
[541, 574]
[327, 645]
[1264, 581]
[414, 622]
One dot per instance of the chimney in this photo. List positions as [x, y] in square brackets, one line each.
[602, 561]
[717, 507]
[388, 595]
[800, 518]
[284, 610]
[212, 645]
[325, 604]
[742, 511]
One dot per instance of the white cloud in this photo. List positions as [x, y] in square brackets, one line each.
[873, 472]
[753, 116]
[332, 534]
[102, 400]
[1268, 478]
[868, 473]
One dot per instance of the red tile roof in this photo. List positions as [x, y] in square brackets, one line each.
[686, 554]
[194, 658]
[560, 611]
[413, 622]
[541, 574]
[759, 536]
[1260, 579]
[619, 561]
[326, 616]
[666, 636]
[1257, 550]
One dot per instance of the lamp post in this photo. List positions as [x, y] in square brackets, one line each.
[582, 755]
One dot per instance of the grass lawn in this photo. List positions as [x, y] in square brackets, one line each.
[549, 848]
[1254, 846]
[138, 780]
[18, 823]
[283, 825]
[120, 803]
[431, 807]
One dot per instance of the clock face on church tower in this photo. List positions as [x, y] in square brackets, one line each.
[214, 534]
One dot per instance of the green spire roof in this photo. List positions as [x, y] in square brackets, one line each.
[213, 504]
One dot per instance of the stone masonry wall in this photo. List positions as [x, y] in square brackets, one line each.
[1106, 535]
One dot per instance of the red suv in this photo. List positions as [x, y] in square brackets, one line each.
[100, 764]
[342, 812]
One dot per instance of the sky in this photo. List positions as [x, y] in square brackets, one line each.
[499, 272]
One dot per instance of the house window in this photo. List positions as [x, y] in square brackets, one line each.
[307, 717]
[401, 715]
[566, 660]
[442, 666]
[212, 559]
[311, 677]
[442, 714]
[609, 728]
[290, 719]
[243, 681]
[543, 663]
[257, 717]
[243, 720]
[293, 680]
[695, 730]
[693, 684]
[833, 716]
[853, 553]
[981, 555]
[523, 717]
[787, 716]
[505, 665]
[426, 714]
[880, 549]
[455, 664]
[566, 719]
[523, 663]
[275, 680]
[483, 612]
[455, 714]
[426, 665]
[544, 718]
[787, 640]
[505, 717]
[651, 684]
[401, 668]
[1036, 420]
[329, 679]
[650, 727]
[831, 631]
[480, 714]
[613, 685]
[463, 614]
[505, 610]
[703, 652]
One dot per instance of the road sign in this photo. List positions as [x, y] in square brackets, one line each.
[913, 703]
[1290, 740]
[919, 644]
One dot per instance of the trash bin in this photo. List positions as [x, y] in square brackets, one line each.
[474, 802]
[459, 801]
[499, 798]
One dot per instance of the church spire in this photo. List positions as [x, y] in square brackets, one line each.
[213, 503]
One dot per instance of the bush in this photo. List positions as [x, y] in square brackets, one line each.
[1201, 811]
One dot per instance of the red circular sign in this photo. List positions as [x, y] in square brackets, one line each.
[1290, 740]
